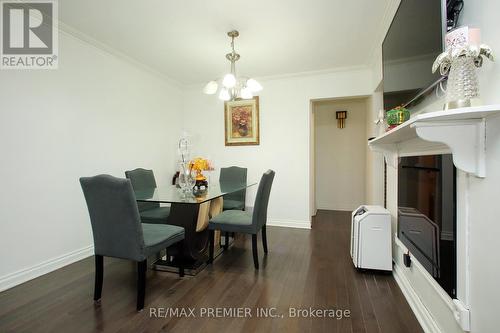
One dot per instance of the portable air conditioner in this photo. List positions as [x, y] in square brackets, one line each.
[371, 246]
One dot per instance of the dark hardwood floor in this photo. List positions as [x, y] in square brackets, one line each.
[304, 268]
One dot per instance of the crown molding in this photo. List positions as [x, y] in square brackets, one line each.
[332, 70]
[103, 47]
[327, 71]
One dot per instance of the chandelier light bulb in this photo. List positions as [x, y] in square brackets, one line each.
[254, 85]
[211, 88]
[246, 93]
[224, 95]
[229, 81]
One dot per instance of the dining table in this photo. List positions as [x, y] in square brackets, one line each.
[192, 212]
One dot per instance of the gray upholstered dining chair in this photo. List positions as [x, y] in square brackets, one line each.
[118, 231]
[151, 212]
[243, 222]
[236, 200]
[234, 175]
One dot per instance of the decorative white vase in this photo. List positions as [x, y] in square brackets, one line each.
[463, 84]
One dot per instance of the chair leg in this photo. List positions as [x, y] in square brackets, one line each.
[254, 250]
[141, 283]
[99, 268]
[181, 258]
[211, 245]
[226, 243]
[264, 238]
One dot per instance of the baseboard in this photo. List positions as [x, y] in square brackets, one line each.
[289, 224]
[341, 207]
[284, 223]
[425, 319]
[13, 279]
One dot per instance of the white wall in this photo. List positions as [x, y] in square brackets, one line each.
[484, 193]
[312, 163]
[374, 161]
[340, 154]
[481, 194]
[284, 135]
[95, 114]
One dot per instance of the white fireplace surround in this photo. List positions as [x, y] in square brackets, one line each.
[461, 132]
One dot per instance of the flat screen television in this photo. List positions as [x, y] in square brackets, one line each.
[413, 41]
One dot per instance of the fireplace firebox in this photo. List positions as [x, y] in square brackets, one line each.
[427, 215]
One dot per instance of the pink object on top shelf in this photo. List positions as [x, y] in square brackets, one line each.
[463, 36]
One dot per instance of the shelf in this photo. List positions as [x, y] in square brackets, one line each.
[461, 132]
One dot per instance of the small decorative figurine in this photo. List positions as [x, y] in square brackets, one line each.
[397, 116]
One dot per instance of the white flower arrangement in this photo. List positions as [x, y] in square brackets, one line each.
[445, 59]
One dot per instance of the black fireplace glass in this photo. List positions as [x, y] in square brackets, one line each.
[427, 215]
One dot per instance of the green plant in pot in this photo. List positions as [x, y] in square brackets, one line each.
[397, 116]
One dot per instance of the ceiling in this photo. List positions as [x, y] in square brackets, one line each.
[186, 40]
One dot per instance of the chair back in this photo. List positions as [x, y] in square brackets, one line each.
[259, 216]
[234, 175]
[143, 179]
[116, 224]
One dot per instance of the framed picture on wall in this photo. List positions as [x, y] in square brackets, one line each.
[241, 119]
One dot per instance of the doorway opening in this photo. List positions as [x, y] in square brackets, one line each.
[338, 159]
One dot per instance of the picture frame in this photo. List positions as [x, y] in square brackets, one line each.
[241, 119]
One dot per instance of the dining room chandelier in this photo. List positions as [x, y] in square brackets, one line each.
[233, 86]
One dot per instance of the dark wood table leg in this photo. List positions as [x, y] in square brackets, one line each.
[192, 218]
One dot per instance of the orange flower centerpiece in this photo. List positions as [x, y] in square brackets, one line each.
[199, 165]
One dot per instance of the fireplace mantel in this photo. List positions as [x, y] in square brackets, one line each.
[461, 132]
